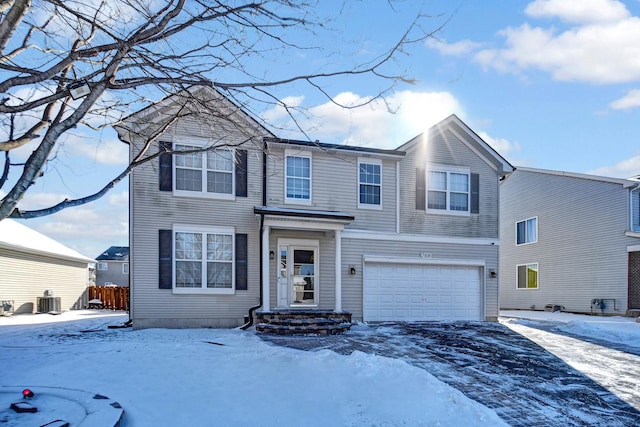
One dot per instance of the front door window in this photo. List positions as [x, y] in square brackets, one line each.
[303, 276]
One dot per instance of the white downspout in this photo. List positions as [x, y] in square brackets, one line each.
[338, 268]
[397, 197]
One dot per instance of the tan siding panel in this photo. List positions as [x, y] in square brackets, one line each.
[24, 277]
[581, 248]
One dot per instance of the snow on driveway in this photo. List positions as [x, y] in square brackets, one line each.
[529, 376]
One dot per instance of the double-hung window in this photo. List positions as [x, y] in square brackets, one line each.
[298, 177]
[527, 231]
[125, 268]
[103, 266]
[369, 184]
[527, 276]
[204, 172]
[204, 260]
[448, 190]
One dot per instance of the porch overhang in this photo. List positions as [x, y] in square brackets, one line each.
[308, 219]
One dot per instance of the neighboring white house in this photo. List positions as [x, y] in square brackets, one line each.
[275, 224]
[112, 267]
[38, 274]
[569, 240]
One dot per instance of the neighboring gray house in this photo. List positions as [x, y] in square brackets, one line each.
[112, 267]
[38, 274]
[275, 224]
[569, 240]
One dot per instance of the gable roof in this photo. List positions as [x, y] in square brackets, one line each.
[468, 137]
[114, 253]
[171, 105]
[16, 236]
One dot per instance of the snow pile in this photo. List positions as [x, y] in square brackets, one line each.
[615, 329]
[203, 377]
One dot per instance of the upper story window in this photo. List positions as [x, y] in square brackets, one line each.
[103, 266]
[298, 177]
[635, 211]
[527, 231]
[448, 190]
[527, 276]
[204, 260]
[125, 268]
[208, 172]
[369, 184]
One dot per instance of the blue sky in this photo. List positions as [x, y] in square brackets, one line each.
[551, 84]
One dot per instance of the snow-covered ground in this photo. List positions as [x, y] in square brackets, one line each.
[203, 377]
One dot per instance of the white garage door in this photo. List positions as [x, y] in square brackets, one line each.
[408, 292]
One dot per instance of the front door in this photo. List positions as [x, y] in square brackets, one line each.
[298, 273]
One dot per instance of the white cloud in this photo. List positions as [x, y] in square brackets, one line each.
[600, 45]
[462, 47]
[630, 100]
[109, 151]
[373, 124]
[503, 146]
[624, 169]
[578, 11]
[119, 199]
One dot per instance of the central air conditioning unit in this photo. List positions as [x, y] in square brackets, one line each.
[48, 304]
[6, 307]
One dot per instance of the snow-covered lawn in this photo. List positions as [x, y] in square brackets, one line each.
[204, 377]
[211, 377]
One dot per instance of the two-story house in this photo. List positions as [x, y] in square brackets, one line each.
[265, 224]
[569, 241]
[112, 266]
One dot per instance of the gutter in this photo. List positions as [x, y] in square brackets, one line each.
[264, 203]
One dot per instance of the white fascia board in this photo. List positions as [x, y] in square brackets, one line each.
[634, 248]
[626, 183]
[371, 235]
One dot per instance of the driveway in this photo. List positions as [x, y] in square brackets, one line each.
[513, 372]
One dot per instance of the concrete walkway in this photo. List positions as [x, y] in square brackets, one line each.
[504, 369]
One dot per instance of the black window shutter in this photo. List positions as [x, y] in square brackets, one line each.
[421, 189]
[165, 245]
[242, 160]
[241, 262]
[166, 166]
[475, 193]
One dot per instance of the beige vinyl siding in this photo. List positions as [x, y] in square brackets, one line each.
[24, 277]
[447, 150]
[153, 210]
[353, 251]
[581, 249]
[334, 184]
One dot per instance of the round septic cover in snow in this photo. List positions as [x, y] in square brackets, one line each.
[76, 407]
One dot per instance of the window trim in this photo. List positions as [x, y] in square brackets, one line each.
[125, 268]
[102, 264]
[369, 161]
[177, 228]
[448, 170]
[298, 153]
[526, 221]
[202, 193]
[527, 288]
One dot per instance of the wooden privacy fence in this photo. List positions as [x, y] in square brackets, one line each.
[111, 297]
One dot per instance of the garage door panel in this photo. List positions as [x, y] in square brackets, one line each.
[421, 292]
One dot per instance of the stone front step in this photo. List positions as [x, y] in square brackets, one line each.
[301, 322]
